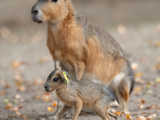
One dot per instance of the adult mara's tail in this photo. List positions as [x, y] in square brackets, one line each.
[122, 85]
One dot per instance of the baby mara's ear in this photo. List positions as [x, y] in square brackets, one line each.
[64, 77]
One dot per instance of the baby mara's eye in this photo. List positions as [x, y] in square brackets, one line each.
[55, 79]
[54, 0]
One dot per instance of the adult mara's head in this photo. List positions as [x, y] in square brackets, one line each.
[53, 11]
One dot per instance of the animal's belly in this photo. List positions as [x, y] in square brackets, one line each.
[105, 69]
[87, 109]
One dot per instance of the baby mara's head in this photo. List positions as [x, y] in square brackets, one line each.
[53, 11]
[57, 79]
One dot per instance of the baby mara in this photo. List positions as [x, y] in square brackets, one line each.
[81, 95]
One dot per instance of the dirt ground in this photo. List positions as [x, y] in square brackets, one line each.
[25, 61]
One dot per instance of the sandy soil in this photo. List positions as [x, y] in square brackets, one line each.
[25, 61]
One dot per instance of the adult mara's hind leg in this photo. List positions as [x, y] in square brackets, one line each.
[122, 86]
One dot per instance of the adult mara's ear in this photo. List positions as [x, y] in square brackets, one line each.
[54, 1]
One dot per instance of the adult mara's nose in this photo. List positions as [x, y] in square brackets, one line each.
[34, 11]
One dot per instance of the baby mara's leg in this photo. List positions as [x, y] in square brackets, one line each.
[78, 107]
[101, 109]
[62, 112]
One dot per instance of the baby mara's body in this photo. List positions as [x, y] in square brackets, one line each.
[82, 95]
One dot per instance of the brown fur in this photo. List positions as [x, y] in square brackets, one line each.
[124, 91]
[105, 67]
[77, 47]
[69, 46]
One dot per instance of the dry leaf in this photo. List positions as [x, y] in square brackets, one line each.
[16, 64]
[137, 89]
[2, 92]
[22, 88]
[6, 101]
[38, 81]
[2, 82]
[141, 106]
[50, 109]
[54, 104]
[138, 75]
[143, 101]
[158, 27]
[150, 91]
[18, 79]
[150, 107]
[18, 96]
[37, 97]
[149, 84]
[8, 106]
[141, 118]
[139, 80]
[44, 59]
[128, 116]
[122, 29]
[157, 44]
[24, 117]
[15, 109]
[46, 98]
[6, 86]
[134, 66]
[157, 66]
[4, 32]
[117, 113]
[158, 80]
[152, 116]
[18, 113]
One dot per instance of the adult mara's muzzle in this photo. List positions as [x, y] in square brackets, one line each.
[36, 14]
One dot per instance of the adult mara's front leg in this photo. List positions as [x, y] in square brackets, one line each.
[57, 65]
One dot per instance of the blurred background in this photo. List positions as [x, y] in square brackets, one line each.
[25, 61]
[105, 12]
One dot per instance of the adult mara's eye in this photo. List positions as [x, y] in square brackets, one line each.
[54, 0]
[55, 79]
